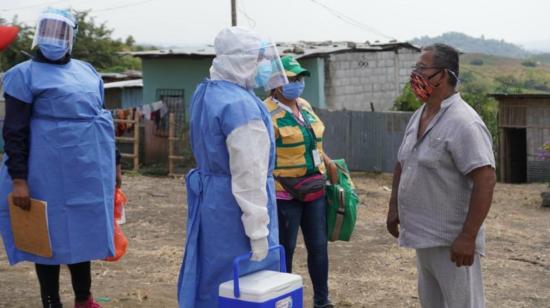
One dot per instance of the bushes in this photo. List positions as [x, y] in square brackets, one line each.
[529, 63]
[407, 101]
[477, 62]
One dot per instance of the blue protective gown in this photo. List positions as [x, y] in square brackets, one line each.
[71, 160]
[215, 233]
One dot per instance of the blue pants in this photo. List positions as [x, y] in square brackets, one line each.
[312, 218]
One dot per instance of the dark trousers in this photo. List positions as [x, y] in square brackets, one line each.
[48, 277]
[311, 217]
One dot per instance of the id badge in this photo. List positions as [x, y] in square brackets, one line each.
[316, 158]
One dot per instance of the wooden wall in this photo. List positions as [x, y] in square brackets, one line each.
[532, 114]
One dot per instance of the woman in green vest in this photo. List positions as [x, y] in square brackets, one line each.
[300, 176]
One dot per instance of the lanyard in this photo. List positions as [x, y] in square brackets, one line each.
[305, 121]
[307, 124]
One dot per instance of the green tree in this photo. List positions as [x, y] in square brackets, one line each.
[16, 52]
[508, 85]
[475, 93]
[93, 44]
[407, 101]
[130, 41]
[477, 62]
[529, 63]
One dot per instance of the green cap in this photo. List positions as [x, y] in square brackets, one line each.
[293, 68]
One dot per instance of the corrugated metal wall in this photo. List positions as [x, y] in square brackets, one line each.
[132, 97]
[369, 141]
[538, 171]
[123, 98]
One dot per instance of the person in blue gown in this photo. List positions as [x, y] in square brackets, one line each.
[231, 193]
[60, 148]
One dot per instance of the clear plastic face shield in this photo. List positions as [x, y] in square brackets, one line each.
[270, 73]
[55, 27]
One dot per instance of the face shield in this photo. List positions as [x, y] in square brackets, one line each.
[270, 73]
[245, 58]
[56, 28]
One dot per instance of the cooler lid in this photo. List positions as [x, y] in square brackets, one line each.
[262, 286]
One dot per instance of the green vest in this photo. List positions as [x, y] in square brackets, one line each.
[294, 141]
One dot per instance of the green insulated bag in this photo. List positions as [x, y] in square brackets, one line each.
[342, 203]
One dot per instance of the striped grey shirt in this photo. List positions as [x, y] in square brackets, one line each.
[434, 191]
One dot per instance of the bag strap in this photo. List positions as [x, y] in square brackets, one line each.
[344, 171]
[340, 214]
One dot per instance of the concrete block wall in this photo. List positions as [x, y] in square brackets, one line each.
[355, 79]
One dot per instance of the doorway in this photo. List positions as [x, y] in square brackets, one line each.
[515, 155]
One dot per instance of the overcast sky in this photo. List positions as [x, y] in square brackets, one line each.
[193, 22]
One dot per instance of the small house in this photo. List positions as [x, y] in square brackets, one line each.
[344, 75]
[524, 126]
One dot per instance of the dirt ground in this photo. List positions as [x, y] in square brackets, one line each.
[369, 271]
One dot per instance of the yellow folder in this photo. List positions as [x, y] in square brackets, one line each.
[30, 228]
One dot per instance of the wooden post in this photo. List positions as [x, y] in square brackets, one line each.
[171, 138]
[136, 141]
[233, 13]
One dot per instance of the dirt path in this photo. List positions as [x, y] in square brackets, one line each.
[369, 271]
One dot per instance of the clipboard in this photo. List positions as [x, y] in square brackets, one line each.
[30, 228]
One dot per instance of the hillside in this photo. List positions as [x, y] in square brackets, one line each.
[503, 74]
[469, 44]
[489, 65]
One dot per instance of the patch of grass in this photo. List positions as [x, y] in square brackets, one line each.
[158, 170]
[507, 75]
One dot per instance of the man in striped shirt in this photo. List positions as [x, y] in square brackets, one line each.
[443, 185]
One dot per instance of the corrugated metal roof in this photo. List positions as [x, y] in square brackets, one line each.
[113, 75]
[299, 50]
[127, 74]
[501, 96]
[136, 83]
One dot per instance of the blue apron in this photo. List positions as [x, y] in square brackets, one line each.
[71, 160]
[215, 233]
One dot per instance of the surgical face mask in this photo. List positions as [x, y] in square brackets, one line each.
[53, 52]
[421, 85]
[54, 34]
[293, 90]
[263, 74]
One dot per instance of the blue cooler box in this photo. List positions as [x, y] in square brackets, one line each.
[263, 289]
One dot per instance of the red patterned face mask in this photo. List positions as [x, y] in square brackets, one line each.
[421, 85]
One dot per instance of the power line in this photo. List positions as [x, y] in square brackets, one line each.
[31, 6]
[59, 1]
[351, 21]
[251, 21]
[122, 6]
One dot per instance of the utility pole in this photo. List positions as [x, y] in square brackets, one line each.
[233, 12]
